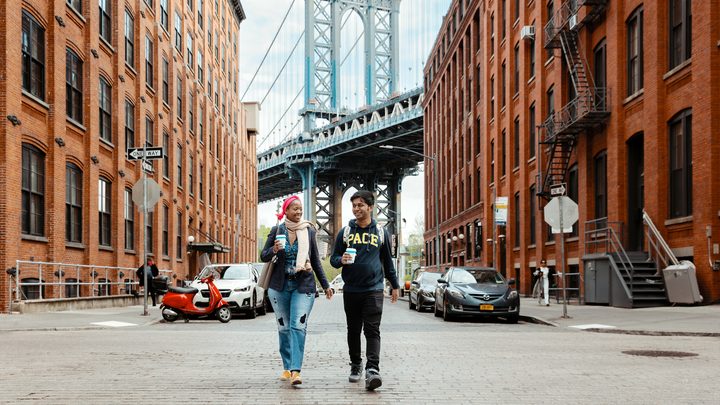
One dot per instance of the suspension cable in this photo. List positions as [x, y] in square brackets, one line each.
[268, 50]
[281, 117]
[283, 66]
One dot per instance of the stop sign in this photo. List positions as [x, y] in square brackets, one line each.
[561, 209]
[139, 196]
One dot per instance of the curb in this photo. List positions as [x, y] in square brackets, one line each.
[536, 320]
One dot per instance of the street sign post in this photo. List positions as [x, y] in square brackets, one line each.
[146, 194]
[561, 213]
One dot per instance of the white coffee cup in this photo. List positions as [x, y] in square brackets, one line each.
[352, 252]
[282, 239]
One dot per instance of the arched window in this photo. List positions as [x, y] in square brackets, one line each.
[73, 203]
[33, 191]
[680, 152]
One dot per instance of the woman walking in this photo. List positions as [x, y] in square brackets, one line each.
[292, 284]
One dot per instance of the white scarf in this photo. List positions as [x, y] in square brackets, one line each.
[302, 232]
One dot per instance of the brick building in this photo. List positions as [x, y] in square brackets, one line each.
[619, 100]
[155, 72]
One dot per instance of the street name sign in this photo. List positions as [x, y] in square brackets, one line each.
[557, 189]
[154, 152]
[562, 212]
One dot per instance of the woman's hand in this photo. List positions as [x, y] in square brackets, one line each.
[329, 293]
[277, 246]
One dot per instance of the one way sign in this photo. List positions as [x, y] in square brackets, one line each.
[146, 153]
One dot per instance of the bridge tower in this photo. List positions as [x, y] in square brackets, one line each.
[323, 20]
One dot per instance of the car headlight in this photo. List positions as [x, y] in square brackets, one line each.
[242, 289]
[456, 294]
[512, 295]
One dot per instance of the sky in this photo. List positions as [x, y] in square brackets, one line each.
[280, 88]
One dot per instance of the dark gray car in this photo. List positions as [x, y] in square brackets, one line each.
[476, 291]
[422, 290]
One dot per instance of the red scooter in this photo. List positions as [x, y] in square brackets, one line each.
[179, 302]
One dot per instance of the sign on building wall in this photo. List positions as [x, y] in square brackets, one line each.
[501, 208]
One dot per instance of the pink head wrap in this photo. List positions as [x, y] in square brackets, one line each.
[285, 205]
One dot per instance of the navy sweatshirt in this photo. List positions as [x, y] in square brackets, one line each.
[366, 274]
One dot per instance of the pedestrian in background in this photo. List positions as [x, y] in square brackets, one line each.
[365, 258]
[146, 278]
[543, 271]
[292, 283]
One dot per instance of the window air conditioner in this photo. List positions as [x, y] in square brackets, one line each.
[573, 21]
[527, 32]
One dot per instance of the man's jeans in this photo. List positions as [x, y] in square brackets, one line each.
[363, 311]
[292, 310]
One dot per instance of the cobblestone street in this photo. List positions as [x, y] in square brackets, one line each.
[424, 360]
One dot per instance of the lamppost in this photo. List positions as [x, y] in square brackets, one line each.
[436, 194]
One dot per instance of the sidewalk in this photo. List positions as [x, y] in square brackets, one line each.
[678, 320]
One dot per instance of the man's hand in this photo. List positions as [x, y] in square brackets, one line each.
[329, 293]
[346, 258]
[394, 296]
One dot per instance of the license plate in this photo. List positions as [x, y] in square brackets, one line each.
[487, 307]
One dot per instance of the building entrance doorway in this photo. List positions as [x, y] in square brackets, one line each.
[636, 191]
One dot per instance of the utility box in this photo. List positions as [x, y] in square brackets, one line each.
[681, 283]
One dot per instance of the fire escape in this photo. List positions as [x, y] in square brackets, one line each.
[588, 109]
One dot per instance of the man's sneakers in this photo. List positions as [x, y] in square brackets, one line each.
[295, 378]
[355, 371]
[285, 375]
[372, 379]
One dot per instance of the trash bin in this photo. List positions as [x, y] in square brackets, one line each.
[681, 283]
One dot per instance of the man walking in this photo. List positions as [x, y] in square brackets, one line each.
[364, 267]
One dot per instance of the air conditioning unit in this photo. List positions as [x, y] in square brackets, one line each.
[572, 22]
[527, 32]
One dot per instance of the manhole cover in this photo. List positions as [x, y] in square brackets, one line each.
[659, 353]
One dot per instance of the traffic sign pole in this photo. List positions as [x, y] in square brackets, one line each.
[146, 281]
[562, 260]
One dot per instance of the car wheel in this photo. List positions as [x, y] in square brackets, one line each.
[252, 313]
[419, 303]
[410, 304]
[445, 315]
[262, 309]
[437, 311]
[168, 317]
[223, 314]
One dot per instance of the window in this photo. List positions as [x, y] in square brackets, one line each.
[200, 67]
[503, 148]
[550, 96]
[165, 231]
[531, 57]
[516, 10]
[179, 240]
[105, 102]
[492, 161]
[600, 166]
[200, 13]
[164, 14]
[179, 162]
[73, 86]
[600, 72]
[680, 129]
[516, 220]
[191, 114]
[129, 39]
[531, 229]
[178, 32]
[492, 97]
[573, 193]
[190, 51]
[33, 56]
[503, 93]
[492, 34]
[179, 95]
[165, 83]
[75, 4]
[201, 176]
[33, 191]
[680, 31]
[635, 52]
[105, 20]
[531, 131]
[201, 119]
[503, 30]
[190, 4]
[516, 144]
[191, 172]
[73, 203]
[149, 79]
[104, 205]
[516, 63]
[149, 233]
[129, 215]
[129, 124]
[550, 14]
[165, 158]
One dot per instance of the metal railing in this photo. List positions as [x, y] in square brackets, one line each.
[658, 249]
[41, 281]
[601, 236]
[592, 100]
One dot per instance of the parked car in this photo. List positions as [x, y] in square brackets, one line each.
[476, 291]
[422, 290]
[237, 283]
[337, 284]
[266, 300]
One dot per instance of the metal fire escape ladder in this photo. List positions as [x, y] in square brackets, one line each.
[588, 108]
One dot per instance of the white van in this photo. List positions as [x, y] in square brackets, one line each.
[337, 284]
